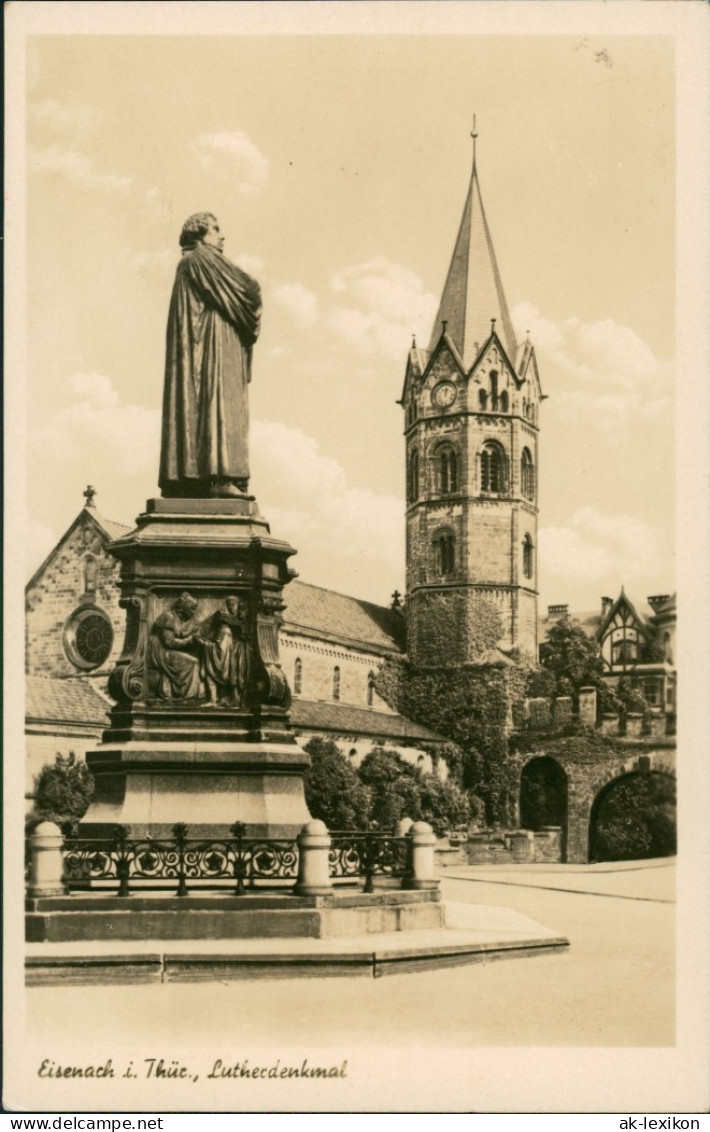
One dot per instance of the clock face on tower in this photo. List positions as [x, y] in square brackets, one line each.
[444, 394]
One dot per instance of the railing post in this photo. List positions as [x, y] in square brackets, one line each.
[313, 861]
[421, 873]
[46, 861]
[123, 864]
[237, 832]
[180, 835]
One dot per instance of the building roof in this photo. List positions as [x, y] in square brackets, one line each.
[107, 527]
[314, 716]
[65, 701]
[314, 611]
[473, 291]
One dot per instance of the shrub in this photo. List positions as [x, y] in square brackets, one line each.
[62, 792]
[334, 793]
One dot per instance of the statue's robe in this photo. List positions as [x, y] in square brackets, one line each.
[176, 669]
[212, 325]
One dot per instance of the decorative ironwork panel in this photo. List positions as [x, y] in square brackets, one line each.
[367, 855]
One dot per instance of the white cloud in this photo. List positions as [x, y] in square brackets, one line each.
[599, 371]
[233, 155]
[69, 118]
[300, 303]
[380, 306]
[309, 501]
[76, 166]
[97, 432]
[593, 548]
[252, 264]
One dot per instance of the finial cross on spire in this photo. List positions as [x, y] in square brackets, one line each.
[474, 135]
[89, 495]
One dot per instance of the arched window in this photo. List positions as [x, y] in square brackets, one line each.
[528, 557]
[494, 391]
[336, 683]
[447, 463]
[504, 401]
[445, 553]
[492, 468]
[371, 689]
[297, 676]
[527, 475]
[413, 476]
[482, 400]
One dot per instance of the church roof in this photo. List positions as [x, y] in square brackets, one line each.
[106, 527]
[332, 616]
[473, 292]
[64, 701]
[315, 716]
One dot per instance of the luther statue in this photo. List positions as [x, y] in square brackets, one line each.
[212, 325]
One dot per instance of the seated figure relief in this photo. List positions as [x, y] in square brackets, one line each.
[191, 660]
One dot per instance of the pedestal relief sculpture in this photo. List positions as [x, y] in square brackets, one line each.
[200, 732]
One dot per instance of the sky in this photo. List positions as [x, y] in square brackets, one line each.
[338, 166]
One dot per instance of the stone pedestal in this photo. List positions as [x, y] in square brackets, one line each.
[200, 730]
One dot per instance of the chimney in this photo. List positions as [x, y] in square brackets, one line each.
[656, 600]
[557, 610]
[607, 603]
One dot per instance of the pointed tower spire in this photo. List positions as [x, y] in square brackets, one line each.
[473, 293]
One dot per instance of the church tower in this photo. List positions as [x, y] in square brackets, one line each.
[471, 422]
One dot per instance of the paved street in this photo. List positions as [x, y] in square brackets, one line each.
[614, 987]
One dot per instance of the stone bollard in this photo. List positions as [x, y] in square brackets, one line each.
[588, 707]
[313, 861]
[421, 872]
[46, 861]
[658, 723]
[610, 723]
[522, 844]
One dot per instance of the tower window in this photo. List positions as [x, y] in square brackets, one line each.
[445, 547]
[527, 475]
[504, 401]
[447, 463]
[494, 391]
[482, 400]
[413, 476]
[492, 468]
[527, 557]
[297, 676]
[336, 683]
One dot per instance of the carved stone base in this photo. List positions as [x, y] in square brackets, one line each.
[208, 786]
[200, 730]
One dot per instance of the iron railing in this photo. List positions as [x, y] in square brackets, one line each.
[187, 863]
[354, 855]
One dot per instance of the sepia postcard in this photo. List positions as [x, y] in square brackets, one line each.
[457, 256]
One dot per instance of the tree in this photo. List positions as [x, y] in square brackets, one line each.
[572, 657]
[334, 793]
[393, 787]
[443, 804]
[62, 792]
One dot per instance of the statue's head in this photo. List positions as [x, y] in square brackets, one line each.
[233, 604]
[201, 228]
[186, 604]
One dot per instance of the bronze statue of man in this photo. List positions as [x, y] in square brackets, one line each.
[212, 325]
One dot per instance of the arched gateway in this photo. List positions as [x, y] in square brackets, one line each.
[634, 817]
[543, 797]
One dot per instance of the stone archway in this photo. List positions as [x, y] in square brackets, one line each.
[633, 817]
[543, 797]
